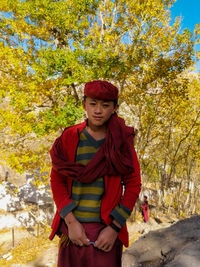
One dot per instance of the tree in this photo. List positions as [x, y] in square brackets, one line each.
[49, 49]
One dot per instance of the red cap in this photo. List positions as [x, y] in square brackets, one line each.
[101, 90]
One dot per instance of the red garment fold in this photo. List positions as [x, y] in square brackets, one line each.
[71, 255]
[113, 158]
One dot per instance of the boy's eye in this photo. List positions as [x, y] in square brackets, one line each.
[92, 103]
[106, 104]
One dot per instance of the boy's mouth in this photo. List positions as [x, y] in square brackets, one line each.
[97, 117]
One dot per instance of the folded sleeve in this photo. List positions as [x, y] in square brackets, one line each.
[132, 187]
[68, 208]
[120, 213]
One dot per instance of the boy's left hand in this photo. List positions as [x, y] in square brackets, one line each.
[106, 239]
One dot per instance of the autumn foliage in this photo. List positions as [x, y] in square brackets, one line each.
[49, 49]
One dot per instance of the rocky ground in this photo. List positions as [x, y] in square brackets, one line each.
[174, 246]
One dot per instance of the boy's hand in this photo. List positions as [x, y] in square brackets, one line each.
[76, 231]
[106, 239]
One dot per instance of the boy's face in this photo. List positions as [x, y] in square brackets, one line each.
[98, 111]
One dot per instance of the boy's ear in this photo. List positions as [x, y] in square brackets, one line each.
[83, 103]
[115, 109]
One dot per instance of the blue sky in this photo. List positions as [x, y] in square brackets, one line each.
[189, 10]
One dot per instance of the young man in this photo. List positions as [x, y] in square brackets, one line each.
[95, 181]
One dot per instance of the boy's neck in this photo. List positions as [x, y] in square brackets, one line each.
[97, 133]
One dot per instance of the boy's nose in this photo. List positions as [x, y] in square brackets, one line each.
[98, 109]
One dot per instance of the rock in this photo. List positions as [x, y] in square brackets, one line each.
[9, 201]
[31, 193]
[171, 246]
[13, 199]
[128, 260]
[188, 256]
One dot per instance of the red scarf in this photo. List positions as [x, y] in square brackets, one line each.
[113, 158]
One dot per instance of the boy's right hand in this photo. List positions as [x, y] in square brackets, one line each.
[76, 231]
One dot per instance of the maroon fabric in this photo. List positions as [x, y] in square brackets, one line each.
[75, 256]
[101, 90]
[115, 157]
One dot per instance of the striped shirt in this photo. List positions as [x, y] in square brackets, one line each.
[87, 197]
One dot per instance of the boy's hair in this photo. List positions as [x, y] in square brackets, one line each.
[115, 101]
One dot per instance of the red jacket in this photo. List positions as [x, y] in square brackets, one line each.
[61, 187]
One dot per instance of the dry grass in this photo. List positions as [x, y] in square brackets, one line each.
[28, 250]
